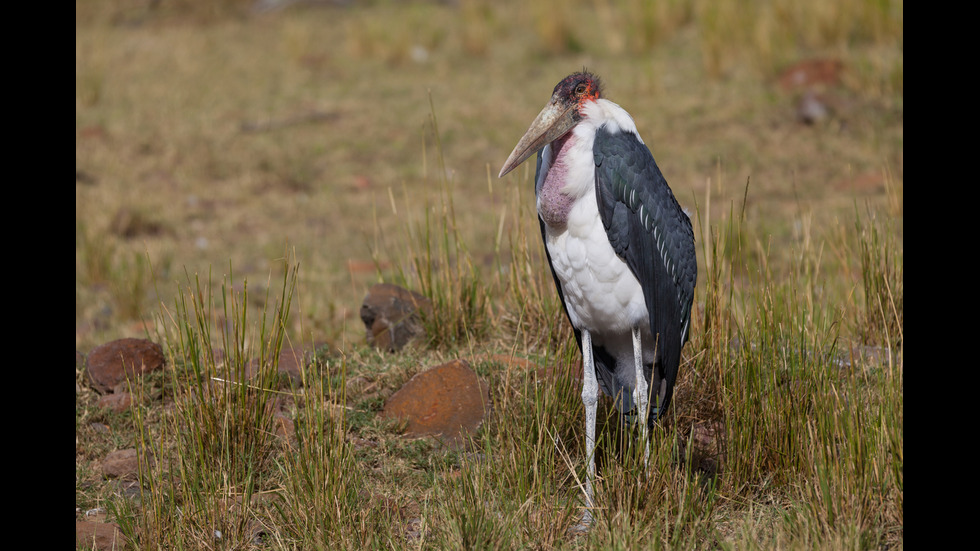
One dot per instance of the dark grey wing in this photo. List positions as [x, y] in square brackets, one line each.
[653, 235]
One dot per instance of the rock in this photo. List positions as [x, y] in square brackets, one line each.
[811, 74]
[117, 401]
[82, 177]
[448, 401]
[100, 428]
[121, 464]
[79, 366]
[126, 488]
[129, 223]
[284, 426]
[813, 81]
[812, 108]
[392, 316]
[114, 362]
[103, 536]
[708, 453]
[291, 363]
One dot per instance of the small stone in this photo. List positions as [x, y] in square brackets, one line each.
[283, 425]
[291, 363]
[121, 464]
[811, 73]
[117, 401]
[103, 536]
[114, 362]
[812, 108]
[708, 454]
[392, 316]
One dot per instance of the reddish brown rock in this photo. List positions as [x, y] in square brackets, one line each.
[103, 536]
[121, 464]
[283, 425]
[117, 401]
[708, 452]
[392, 316]
[291, 363]
[114, 362]
[811, 73]
[448, 401]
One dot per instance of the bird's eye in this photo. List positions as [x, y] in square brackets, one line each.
[580, 89]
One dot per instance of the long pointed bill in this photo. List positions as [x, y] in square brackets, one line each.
[550, 124]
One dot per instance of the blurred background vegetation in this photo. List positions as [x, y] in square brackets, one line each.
[228, 132]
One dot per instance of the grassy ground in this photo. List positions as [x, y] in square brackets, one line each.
[312, 151]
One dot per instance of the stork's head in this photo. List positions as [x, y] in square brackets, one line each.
[562, 113]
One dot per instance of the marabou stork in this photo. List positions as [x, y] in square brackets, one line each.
[621, 251]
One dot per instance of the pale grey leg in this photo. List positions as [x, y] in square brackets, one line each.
[640, 393]
[590, 398]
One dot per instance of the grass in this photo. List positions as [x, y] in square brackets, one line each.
[208, 137]
[441, 268]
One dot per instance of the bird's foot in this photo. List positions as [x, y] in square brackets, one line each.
[633, 417]
[654, 414]
[583, 525]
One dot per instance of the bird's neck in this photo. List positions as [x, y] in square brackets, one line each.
[553, 203]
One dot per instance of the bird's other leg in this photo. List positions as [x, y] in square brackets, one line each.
[641, 395]
[590, 397]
